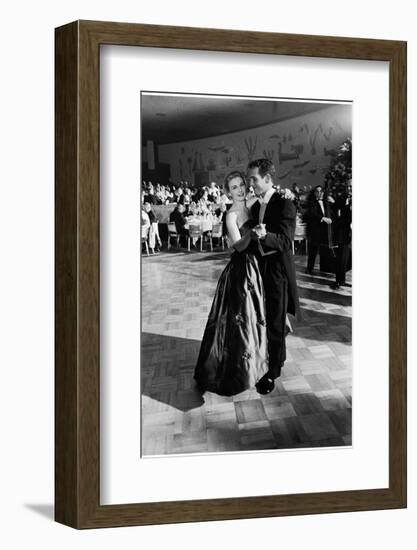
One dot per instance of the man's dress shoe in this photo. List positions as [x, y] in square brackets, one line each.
[265, 385]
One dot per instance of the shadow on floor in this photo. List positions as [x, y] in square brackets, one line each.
[324, 296]
[167, 370]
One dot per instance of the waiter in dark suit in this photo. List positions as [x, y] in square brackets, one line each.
[275, 217]
[343, 234]
[319, 219]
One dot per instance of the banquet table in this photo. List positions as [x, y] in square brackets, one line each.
[205, 223]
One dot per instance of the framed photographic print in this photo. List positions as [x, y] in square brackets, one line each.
[230, 274]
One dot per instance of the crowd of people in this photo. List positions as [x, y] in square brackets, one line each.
[208, 203]
[328, 215]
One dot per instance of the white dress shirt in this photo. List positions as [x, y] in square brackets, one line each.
[264, 201]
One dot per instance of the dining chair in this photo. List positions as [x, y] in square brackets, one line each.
[300, 234]
[144, 237]
[217, 233]
[172, 234]
[195, 232]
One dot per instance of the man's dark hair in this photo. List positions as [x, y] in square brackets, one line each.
[265, 166]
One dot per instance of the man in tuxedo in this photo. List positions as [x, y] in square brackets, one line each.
[318, 218]
[343, 234]
[274, 232]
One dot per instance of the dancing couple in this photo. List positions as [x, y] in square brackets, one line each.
[244, 340]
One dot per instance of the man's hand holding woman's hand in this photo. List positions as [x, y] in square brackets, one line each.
[259, 231]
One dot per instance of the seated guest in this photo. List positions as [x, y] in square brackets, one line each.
[186, 197]
[145, 218]
[160, 194]
[150, 196]
[145, 224]
[210, 213]
[213, 192]
[202, 207]
[154, 238]
[220, 211]
[177, 216]
[192, 209]
[318, 217]
[178, 195]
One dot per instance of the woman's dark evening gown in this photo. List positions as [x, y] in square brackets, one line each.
[233, 353]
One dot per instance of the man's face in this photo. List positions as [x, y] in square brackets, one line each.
[318, 193]
[260, 184]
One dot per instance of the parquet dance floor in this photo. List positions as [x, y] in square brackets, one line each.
[311, 403]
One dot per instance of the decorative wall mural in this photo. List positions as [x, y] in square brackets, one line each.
[190, 164]
[211, 165]
[298, 148]
[284, 156]
[239, 158]
[285, 175]
[329, 152]
[327, 135]
[301, 149]
[337, 125]
[301, 164]
[201, 163]
[269, 154]
[313, 139]
[251, 147]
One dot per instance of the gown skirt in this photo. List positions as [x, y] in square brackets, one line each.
[234, 351]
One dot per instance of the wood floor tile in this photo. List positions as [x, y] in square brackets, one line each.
[250, 411]
[318, 426]
[279, 407]
[256, 436]
[306, 403]
[311, 403]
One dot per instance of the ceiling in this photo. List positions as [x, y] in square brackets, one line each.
[174, 118]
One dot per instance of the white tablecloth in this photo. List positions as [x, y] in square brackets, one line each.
[205, 224]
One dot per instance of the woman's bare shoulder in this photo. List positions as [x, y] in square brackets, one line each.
[231, 216]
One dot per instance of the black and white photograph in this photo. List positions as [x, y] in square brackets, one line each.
[246, 273]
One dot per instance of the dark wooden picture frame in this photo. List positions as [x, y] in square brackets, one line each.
[77, 371]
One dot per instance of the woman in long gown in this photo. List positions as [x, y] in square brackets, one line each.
[233, 352]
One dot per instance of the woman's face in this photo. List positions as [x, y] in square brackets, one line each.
[237, 189]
